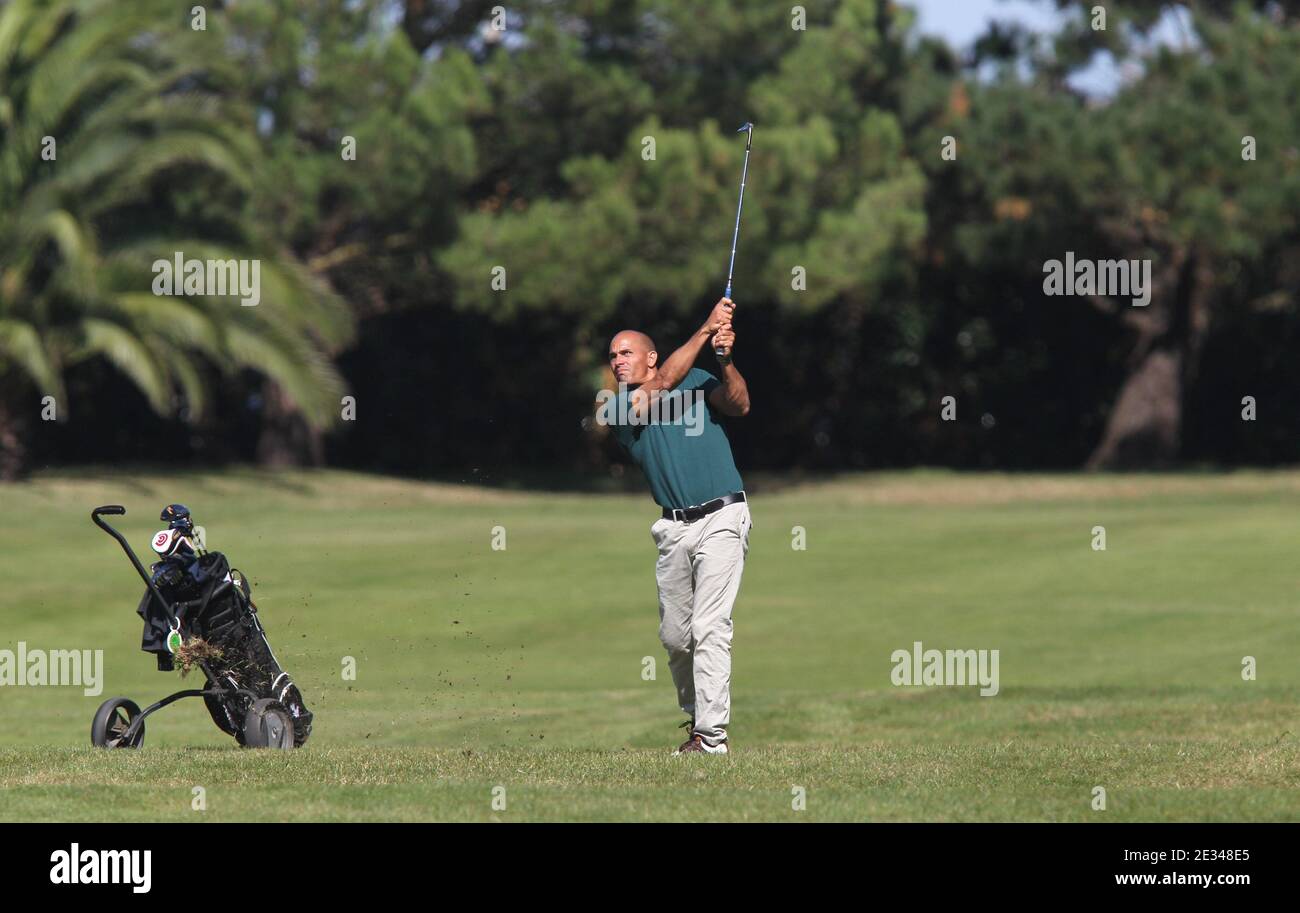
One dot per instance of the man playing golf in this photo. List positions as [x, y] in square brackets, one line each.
[667, 420]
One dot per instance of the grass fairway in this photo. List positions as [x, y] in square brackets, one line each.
[522, 668]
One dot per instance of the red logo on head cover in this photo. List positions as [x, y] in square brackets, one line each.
[161, 540]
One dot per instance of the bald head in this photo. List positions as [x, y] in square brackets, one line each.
[632, 357]
[634, 337]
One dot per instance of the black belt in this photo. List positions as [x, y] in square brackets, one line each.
[690, 514]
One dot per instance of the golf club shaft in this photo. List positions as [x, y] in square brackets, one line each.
[735, 235]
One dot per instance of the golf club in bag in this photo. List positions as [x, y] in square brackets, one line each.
[194, 601]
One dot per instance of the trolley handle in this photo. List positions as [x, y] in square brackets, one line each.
[119, 510]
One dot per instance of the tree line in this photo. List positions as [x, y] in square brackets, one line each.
[454, 205]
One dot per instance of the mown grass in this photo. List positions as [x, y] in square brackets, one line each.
[523, 669]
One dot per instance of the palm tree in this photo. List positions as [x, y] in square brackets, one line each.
[148, 159]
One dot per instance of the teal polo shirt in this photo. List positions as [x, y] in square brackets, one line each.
[683, 450]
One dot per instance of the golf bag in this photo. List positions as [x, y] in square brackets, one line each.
[214, 603]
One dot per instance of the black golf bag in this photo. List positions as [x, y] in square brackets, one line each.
[214, 603]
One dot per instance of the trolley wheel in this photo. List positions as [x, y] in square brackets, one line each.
[111, 722]
[268, 724]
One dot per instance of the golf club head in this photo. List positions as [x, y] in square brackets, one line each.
[747, 125]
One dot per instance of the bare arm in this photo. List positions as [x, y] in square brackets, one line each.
[732, 397]
[678, 364]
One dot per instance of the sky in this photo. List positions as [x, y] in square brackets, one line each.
[960, 22]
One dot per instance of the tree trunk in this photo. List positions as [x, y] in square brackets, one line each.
[1144, 426]
[1144, 429]
[285, 438]
[13, 452]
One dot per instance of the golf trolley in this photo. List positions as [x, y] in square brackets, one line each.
[194, 601]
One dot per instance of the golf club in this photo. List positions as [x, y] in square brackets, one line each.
[747, 128]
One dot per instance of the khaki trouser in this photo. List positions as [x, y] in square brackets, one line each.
[698, 573]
